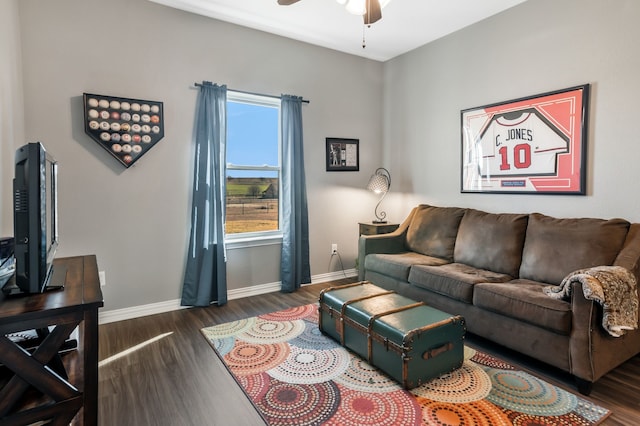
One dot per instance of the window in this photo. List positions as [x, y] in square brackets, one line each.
[253, 165]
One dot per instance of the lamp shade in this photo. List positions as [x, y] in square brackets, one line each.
[379, 183]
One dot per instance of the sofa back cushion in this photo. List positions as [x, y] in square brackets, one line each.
[555, 247]
[433, 230]
[491, 241]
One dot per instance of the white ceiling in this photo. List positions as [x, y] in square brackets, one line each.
[405, 24]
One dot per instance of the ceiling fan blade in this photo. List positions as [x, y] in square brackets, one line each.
[373, 13]
[287, 2]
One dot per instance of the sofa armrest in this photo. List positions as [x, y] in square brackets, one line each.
[383, 243]
[583, 323]
[593, 352]
[393, 242]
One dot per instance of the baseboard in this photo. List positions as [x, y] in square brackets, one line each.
[332, 276]
[105, 317]
[114, 315]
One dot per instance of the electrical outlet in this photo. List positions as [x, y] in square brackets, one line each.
[334, 249]
[102, 278]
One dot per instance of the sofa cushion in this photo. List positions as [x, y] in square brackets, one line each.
[491, 241]
[398, 265]
[525, 301]
[555, 247]
[454, 280]
[433, 231]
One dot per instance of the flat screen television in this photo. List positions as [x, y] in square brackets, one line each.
[35, 219]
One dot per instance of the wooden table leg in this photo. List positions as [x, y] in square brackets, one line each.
[90, 353]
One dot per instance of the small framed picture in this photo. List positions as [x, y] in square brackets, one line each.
[343, 155]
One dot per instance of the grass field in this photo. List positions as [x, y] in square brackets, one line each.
[243, 189]
[239, 226]
[246, 210]
[254, 216]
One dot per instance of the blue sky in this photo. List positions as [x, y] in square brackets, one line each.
[252, 134]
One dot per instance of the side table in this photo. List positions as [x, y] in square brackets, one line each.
[61, 311]
[369, 228]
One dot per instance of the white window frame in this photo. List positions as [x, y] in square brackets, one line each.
[259, 238]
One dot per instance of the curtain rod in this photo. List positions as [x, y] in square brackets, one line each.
[306, 101]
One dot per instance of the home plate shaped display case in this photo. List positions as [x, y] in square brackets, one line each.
[127, 128]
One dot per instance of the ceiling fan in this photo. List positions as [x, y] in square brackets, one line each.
[371, 10]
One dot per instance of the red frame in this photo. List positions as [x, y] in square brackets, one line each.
[530, 145]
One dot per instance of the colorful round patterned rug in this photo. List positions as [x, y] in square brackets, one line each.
[295, 375]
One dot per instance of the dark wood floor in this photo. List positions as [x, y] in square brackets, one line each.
[177, 380]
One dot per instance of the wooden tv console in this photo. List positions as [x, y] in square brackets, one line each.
[65, 390]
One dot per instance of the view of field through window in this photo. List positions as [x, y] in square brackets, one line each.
[253, 164]
[252, 204]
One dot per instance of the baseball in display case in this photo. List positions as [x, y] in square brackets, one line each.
[127, 128]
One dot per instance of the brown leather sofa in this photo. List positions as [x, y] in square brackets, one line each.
[491, 268]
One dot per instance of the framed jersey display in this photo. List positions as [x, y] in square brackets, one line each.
[533, 145]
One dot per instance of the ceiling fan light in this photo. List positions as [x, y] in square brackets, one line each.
[356, 7]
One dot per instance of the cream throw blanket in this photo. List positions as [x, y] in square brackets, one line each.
[613, 287]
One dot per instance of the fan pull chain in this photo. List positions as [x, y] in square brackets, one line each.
[364, 28]
[364, 42]
[367, 22]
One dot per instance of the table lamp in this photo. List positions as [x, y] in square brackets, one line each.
[379, 183]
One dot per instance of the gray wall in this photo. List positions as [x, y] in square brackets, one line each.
[405, 112]
[538, 46]
[136, 220]
[11, 107]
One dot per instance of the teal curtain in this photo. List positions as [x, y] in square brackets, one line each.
[294, 269]
[205, 278]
